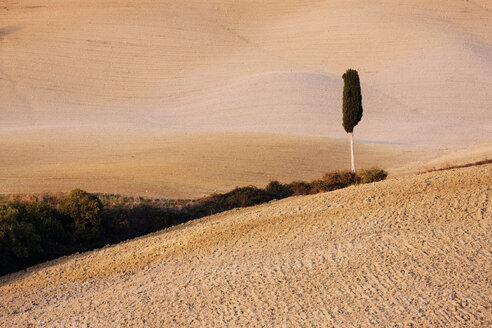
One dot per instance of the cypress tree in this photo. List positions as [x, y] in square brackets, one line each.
[352, 106]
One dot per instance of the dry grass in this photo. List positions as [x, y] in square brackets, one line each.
[411, 250]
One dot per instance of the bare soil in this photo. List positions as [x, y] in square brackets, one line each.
[176, 164]
[408, 252]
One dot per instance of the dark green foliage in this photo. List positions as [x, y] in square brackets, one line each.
[352, 100]
[46, 228]
[54, 227]
[242, 197]
[278, 190]
[19, 240]
[84, 208]
[317, 186]
[144, 219]
[115, 219]
[239, 197]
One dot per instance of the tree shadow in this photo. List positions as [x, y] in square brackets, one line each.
[4, 31]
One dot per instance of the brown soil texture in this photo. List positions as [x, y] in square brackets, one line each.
[413, 251]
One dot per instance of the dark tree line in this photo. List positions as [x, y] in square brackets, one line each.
[37, 231]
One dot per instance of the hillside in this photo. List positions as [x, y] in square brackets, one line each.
[250, 66]
[96, 68]
[173, 164]
[413, 250]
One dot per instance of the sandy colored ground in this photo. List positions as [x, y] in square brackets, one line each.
[250, 65]
[413, 251]
[97, 67]
[93, 94]
[177, 164]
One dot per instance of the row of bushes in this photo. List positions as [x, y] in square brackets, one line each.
[35, 231]
[248, 196]
[108, 200]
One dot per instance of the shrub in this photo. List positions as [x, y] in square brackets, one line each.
[318, 186]
[52, 226]
[239, 197]
[244, 196]
[277, 190]
[114, 220]
[47, 227]
[144, 219]
[339, 179]
[85, 210]
[372, 175]
[19, 241]
[299, 188]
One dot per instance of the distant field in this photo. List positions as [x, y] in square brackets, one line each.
[177, 164]
[249, 65]
[89, 90]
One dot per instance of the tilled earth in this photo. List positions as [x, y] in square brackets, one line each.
[408, 252]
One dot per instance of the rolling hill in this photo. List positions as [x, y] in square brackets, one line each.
[242, 66]
[413, 250]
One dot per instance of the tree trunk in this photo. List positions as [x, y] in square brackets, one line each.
[352, 151]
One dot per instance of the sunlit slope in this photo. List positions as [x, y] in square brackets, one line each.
[177, 164]
[426, 66]
[413, 250]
